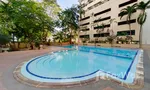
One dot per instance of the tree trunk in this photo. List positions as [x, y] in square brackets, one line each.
[60, 43]
[31, 45]
[71, 37]
[99, 36]
[26, 43]
[130, 30]
[140, 37]
[13, 39]
[18, 43]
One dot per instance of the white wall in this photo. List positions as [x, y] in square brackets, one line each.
[146, 29]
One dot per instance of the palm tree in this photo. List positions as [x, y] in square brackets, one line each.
[59, 36]
[69, 19]
[142, 17]
[80, 11]
[100, 28]
[112, 21]
[111, 38]
[129, 10]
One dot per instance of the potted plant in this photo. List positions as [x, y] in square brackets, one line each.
[111, 39]
[129, 39]
[121, 40]
[84, 41]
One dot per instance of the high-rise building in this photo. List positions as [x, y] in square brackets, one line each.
[98, 12]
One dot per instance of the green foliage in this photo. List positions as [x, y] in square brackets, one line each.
[143, 15]
[122, 34]
[37, 44]
[68, 21]
[129, 38]
[26, 19]
[52, 8]
[121, 39]
[102, 26]
[143, 6]
[111, 38]
[59, 36]
[142, 18]
[4, 39]
[69, 18]
[129, 10]
[79, 11]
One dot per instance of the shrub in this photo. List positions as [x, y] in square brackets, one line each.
[4, 39]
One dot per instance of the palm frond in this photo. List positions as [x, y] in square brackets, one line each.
[134, 5]
[148, 7]
[143, 6]
[147, 3]
[142, 18]
[122, 14]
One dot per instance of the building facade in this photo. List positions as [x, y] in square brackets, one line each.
[106, 13]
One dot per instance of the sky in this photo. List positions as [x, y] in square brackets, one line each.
[66, 3]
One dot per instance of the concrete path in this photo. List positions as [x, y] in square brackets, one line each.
[8, 62]
[147, 70]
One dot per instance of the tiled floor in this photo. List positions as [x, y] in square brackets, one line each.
[8, 62]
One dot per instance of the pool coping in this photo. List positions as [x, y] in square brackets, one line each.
[137, 84]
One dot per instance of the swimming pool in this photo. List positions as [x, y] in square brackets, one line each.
[83, 63]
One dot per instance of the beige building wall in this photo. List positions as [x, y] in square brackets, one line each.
[113, 13]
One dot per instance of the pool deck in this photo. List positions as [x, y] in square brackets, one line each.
[9, 61]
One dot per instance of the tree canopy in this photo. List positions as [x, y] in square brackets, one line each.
[68, 20]
[26, 19]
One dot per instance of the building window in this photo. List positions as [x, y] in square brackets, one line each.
[127, 3]
[84, 36]
[85, 24]
[83, 5]
[97, 4]
[126, 22]
[124, 33]
[90, 1]
[107, 10]
[85, 29]
[102, 19]
[101, 35]
[126, 13]
[98, 27]
[85, 18]
[89, 8]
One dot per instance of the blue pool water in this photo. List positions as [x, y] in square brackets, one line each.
[82, 63]
[69, 46]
